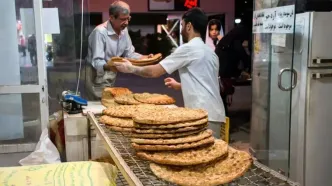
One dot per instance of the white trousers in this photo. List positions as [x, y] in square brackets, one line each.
[215, 127]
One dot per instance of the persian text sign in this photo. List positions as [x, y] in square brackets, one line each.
[274, 20]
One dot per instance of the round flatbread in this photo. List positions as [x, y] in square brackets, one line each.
[115, 91]
[173, 125]
[153, 59]
[188, 157]
[127, 111]
[117, 122]
[206, 141]
[120, 129]
[217, 173]
[169, 115]
[127, 99]
[187, 139]
[108, 103]
[165, 136]
[169, 131]
[158, 99]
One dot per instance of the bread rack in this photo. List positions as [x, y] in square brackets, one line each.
[136, 172]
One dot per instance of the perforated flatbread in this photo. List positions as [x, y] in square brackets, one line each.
[165, 136]
[206, 141]
[187, 139]
[126, 111]
[127, 99]
[108, 103]
[216, 173]
[168, 116]
[158, 99]
[111, 92]
[188, 157]
[169, 131]
[173, 125]
[120, 129]
[111, 61]
[153, 59]
[117, 122]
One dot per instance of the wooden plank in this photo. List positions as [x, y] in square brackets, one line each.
[118, 160]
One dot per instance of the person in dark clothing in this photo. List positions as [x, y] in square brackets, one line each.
[231, 52]
[32, 49]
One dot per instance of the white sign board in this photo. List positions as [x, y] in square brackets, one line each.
[278, 40]
[274, 20]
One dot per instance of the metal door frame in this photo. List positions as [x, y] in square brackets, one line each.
[41, 88]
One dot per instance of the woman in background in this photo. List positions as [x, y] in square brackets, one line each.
[214, 33]
[232, 51]
[213, 36]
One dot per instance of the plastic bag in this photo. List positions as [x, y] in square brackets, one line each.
[45, 152]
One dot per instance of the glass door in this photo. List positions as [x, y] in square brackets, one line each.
[23, 87]
[273, 80]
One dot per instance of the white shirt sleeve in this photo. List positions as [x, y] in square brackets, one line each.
[178, 59]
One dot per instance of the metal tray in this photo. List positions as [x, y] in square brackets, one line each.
[135, 171]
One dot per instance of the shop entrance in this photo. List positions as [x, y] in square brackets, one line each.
[23, 88]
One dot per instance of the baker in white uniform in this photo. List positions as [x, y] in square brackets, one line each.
[198, 67]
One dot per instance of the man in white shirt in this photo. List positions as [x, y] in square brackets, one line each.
[198, 67]
[107, 40]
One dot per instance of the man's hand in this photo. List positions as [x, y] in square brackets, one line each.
[219, 37]
[125, 67]
[147, 56]
[172, 83]
[107, 67]
[229, 100]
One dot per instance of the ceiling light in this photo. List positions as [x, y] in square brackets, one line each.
[237, 21]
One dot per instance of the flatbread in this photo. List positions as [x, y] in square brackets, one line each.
[188, 157]
[216, 173]
[116, 91]
[127, 99]
[111, 61]
[175, 135]
[117, 122]
[187, 139]
[206, 141]
[158, 99]
[153, 59]
[108, 103]
[126, 111]
[173, 125]
[169, 131]
[120, 129]
[169, 115]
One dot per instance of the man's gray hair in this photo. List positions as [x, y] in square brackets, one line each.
[117, 8]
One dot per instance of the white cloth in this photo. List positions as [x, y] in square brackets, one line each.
[104, 43]
[198, 67]
[216, 128]
[208, 39]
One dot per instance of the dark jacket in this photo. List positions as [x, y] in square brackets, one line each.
[230, 52]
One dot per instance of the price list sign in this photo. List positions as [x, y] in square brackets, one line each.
[274, 20]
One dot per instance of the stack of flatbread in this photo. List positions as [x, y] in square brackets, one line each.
[137, 62]
[119, 118]
[144, 98]
[109, 93]
[182, 150]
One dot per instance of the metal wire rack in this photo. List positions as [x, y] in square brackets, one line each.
[257, 175]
